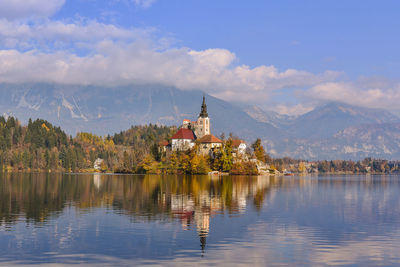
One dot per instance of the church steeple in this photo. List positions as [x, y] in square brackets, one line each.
[203, 112]
[202, 125]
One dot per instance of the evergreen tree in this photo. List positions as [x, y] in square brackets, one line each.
[259, 151]
[227, 160]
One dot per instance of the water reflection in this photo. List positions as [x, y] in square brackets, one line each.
[191, 199]
[51, 218]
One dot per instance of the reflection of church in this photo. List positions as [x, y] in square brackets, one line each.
[203, 226]
[198, 209]
[184, 208]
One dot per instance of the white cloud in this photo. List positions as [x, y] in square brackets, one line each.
[115, 63]
[17, 9]
[364, 93]
[89, 52]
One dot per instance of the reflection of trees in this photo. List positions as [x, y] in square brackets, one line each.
[38, 196]
[193, 200]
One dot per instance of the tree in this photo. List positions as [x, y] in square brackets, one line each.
[194, 163]
[147, 163]
[302, 167]
[156, 152]
[227, 159]
[103, 166]
[259, 151]
[47, 159]
[203, 167]
[217, 159]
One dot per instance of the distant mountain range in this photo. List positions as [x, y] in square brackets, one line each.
[336, 131]
[333, 131]
[104, 110]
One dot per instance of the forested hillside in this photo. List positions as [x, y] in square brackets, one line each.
[41, 146]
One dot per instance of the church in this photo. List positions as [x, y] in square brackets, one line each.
[192, 132]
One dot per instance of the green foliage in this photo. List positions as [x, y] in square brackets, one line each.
[222, 157]
[259, 151]
[155, 152]
[227, 159]
[40, 146]
[42, 134]
[244, 168]
[143, 136]
[147, 165]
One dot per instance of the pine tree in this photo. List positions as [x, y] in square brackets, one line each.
[259, 151]
[227, 160]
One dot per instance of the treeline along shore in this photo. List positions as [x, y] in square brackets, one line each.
[40, 146]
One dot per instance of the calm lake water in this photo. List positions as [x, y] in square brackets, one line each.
[181, 220]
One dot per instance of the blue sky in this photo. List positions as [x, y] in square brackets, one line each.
[358, 37]
[289, 55]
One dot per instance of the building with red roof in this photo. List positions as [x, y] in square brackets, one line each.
[238, 147]
[183, 140]
[163, 146]
[184, 134]
[198, 132]
[209, 139]
[208, 143]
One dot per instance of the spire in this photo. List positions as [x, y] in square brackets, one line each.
[203, 112]
[203, 242]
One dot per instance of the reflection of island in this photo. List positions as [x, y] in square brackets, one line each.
[190, 198]
[193, 200]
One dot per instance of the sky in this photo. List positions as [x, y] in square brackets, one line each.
[286, 55]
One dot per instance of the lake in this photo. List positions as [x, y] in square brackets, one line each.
[181, 220]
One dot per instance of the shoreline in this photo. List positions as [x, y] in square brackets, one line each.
[207, 174]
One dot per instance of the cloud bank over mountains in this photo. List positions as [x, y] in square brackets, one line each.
[36, 48]
[386, 95]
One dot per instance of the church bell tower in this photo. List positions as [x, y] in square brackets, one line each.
[203, 121]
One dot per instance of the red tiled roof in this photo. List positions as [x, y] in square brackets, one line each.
[209, 139]
[184, 134]
[237, 142]
[163, 143]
